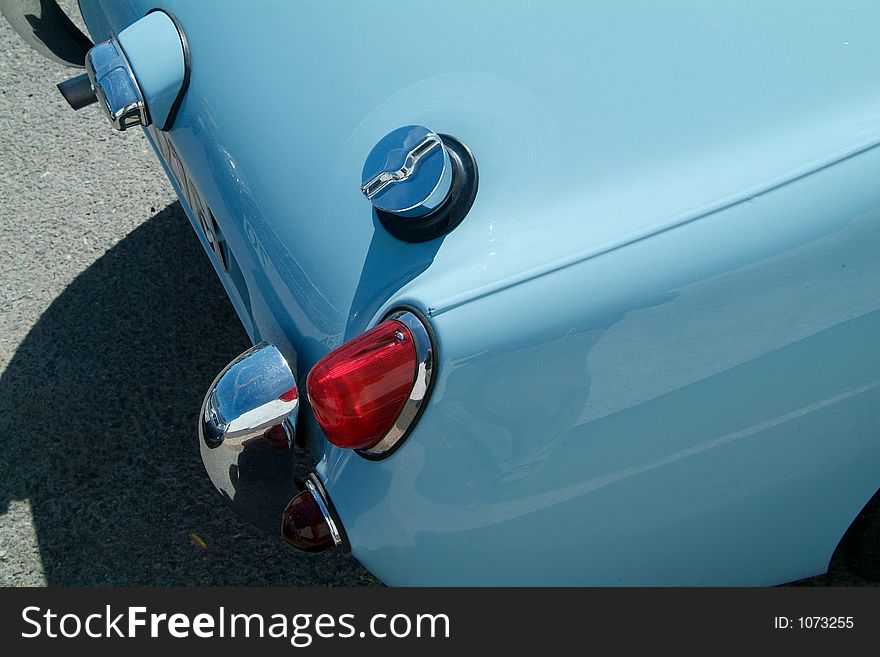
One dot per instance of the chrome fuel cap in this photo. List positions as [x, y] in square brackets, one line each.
[421, 183]
[408, 173]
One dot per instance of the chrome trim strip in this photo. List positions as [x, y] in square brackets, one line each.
[318, 495]
[381, 180]
[421, 385]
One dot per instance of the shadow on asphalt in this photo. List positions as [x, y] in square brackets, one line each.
[101, 400]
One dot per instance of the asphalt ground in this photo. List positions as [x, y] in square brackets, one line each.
[112, 324]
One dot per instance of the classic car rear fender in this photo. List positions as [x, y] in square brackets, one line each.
[696, 407]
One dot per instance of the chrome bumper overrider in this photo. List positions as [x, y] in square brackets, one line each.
[247, 426]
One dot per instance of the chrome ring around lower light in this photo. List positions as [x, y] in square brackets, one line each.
[415, 404]
[313, 485]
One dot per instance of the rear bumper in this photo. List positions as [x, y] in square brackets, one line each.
[247, 427]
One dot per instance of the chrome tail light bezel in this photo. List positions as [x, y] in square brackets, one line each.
[425, 348]
[423, 383]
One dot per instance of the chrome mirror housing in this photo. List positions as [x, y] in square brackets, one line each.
[246, 430]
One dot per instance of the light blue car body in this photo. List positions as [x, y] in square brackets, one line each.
[658, 325]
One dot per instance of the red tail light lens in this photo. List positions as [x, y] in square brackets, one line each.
[359, 390]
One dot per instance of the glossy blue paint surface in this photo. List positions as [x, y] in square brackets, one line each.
[658, 323]
[152, 46]
[696, 408]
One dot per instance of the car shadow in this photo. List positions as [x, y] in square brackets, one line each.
[99, 407]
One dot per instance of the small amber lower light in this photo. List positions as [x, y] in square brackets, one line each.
[303, 524]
